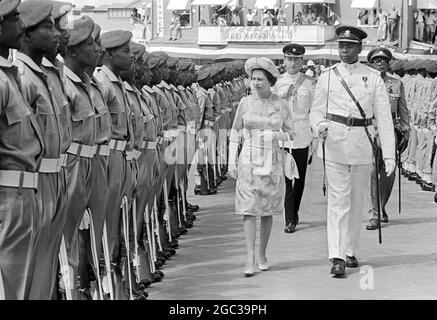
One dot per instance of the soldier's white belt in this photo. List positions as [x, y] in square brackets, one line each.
[52, 165]
[118, 145]
[172, 133]
[82, 150]
[18, 179]
[103, 150]
[150, 145]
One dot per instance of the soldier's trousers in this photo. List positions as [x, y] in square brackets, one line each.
[52, 200]
[411, 154]
[348, 196]
[420, 151]
[117, 171]
[294, 193]
[79, 190]
[19, 225]
[386, 184]
[434, 163]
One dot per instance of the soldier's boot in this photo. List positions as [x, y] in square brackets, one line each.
[212, 181]
[204, 190]
[428, 187]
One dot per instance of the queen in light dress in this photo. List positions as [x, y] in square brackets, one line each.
[262, 121]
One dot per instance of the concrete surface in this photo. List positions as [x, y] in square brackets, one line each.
[210, 261]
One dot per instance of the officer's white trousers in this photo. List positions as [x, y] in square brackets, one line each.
[348, 201]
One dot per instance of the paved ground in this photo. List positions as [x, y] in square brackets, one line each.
[209, 264]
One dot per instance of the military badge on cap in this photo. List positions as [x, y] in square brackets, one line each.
[294, 50]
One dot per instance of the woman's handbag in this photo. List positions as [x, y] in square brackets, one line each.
[290, 166]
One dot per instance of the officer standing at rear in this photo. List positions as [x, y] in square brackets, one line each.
[380, 59]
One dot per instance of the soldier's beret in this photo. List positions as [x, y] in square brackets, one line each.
[163, 55]
[379, 53]
[421, 64]
[261, 63]
[203, 73]
[96, 31]
[216, 69]
[115, 38]
[33, 12]
[172, 62]
[409, 65]
[137, 49]
[154, 60]
[395, 65]
[60, 9]
[350, 34]
[294, 50]
[184, 65]
[7, 6]
[82, 29]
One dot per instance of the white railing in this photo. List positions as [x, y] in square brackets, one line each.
[303, 34]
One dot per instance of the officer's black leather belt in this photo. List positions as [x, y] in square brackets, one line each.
[349, 121]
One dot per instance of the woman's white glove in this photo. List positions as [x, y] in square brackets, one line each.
[390, 166]
[323, 130]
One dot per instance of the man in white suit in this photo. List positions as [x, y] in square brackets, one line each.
[347, 137]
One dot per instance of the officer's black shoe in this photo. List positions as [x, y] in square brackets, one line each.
[193, 207]
[384, 217]
[413, 177]
[144, 283]
[373, 224]
[171, 251]
[158, 264]
[339, 267]
[208, 192]
[352, 262]
[174, 244]
[141, 296]
[290, 228]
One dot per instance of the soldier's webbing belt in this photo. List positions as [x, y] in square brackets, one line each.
[363, 114]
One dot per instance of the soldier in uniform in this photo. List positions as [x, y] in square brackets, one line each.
[21, 150]
[205, 135]
[298, 89]
[53, 65]
[118, 58]
[380, 58]
[345, 132]
[41, 38]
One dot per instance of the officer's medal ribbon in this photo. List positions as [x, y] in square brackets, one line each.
[365, 82]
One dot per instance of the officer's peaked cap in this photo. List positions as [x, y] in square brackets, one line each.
[294, 50]
[33, 12]
[350, 34]
[115, 38]
[379, 53]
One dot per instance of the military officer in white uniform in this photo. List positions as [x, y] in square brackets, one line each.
[345, 133]
[298, 89]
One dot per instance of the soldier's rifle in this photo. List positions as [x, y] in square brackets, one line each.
[167, 210]
[150, 238]
[107, 257]
[94, 254]
[125, 225]
[156, 223]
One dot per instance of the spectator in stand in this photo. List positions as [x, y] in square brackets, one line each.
[320, 20]
[135, 17]
[267, 19]
[214, 21]
[430, 22]
[222, 21]
[202, 22]
[306, 17]
[381, 21]
[236, 19]
[282, 18]
[419, 16]
[312, 15]
[175, 25]
[298, 19]
[250, 17]
[371, 19]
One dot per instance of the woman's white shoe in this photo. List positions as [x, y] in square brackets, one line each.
[249, 271]
[263, 266]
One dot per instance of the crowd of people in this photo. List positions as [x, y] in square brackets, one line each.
[425, 25]
[97, 138]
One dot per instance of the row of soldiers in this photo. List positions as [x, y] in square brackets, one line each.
[419, 161]
[97, 137]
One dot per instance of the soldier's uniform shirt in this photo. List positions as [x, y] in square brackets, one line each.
[207, 116]
[102, 113]
[56, 80]
[300, 105]
[21, 149]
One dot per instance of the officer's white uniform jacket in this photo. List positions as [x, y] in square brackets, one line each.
[300, 105]
[350, 145]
